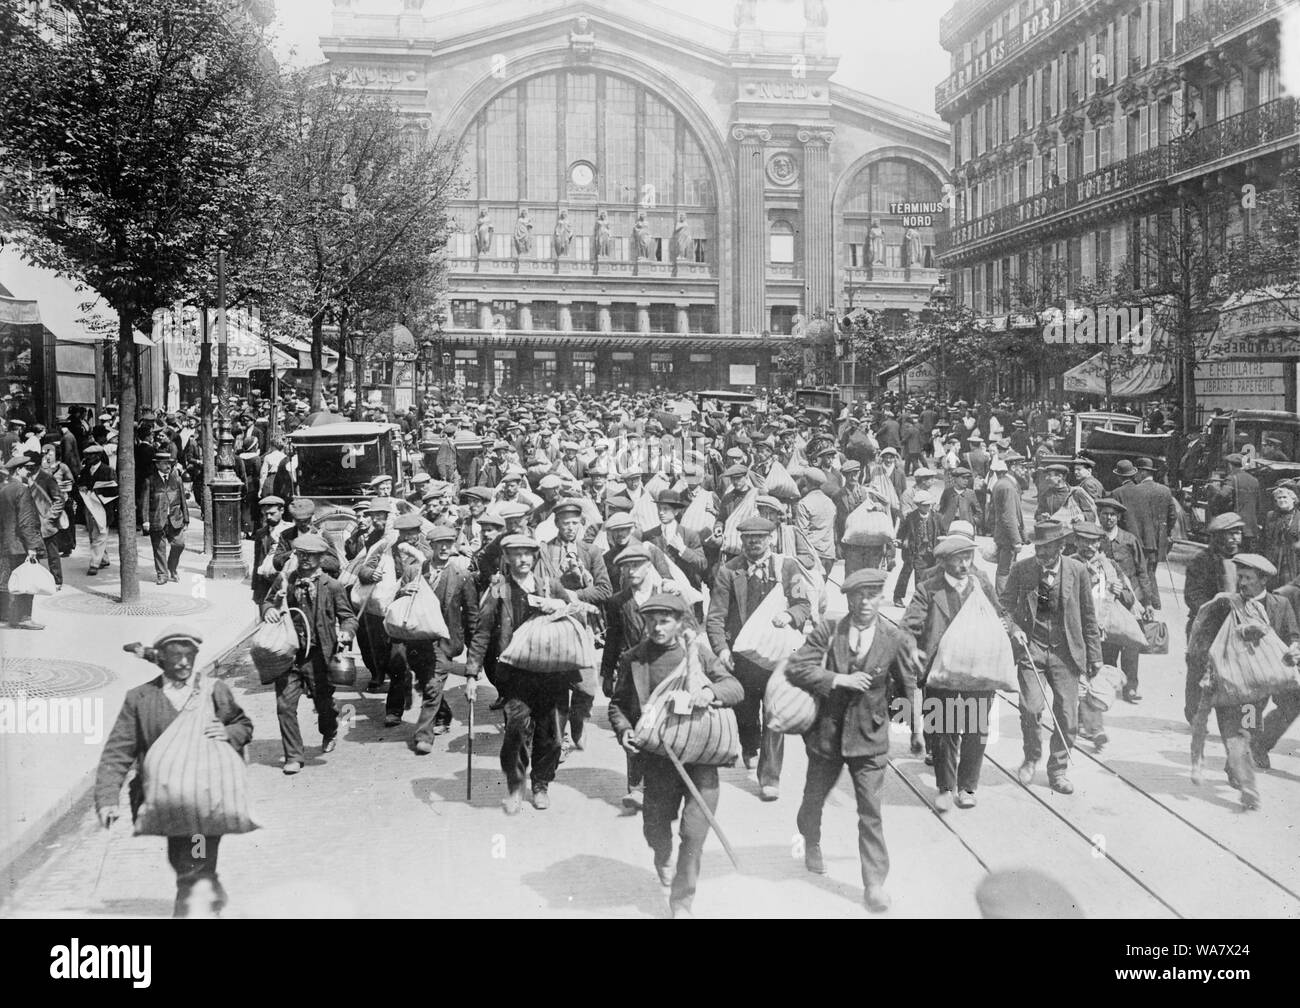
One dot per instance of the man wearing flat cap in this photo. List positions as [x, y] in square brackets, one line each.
[1258, 610]
[918, 533]
[1058, 498]
[301, 511]
[668, 640]
[1212, 572]
[1049, 596]
[147, 711]
[532, 699]
[166, 517]
[814, 516]
[325, 619]
[269, 530]
[960, 731]
[850, 665]
[739, 587]
[406, 558]
[20, 540]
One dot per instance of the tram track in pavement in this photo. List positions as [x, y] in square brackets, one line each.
[1070, 820]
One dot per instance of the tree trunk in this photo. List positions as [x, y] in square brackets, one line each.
[342, 376]
[205, 427]
[127, 368]
[317, 358]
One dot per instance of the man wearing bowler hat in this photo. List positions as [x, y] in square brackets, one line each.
[1150, 512]
[850, 665]
[682, 546]
[1049, 596]
[165, 517]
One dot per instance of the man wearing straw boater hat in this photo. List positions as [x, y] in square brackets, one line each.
[640, 669]
[849, 664]
[147, 711]
[532, 699]
[1049, 596]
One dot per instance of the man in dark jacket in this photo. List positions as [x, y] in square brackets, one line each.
[850, 666]
[640, 669]
[330, 621]
[1211, 571]
[166, 517]
[1151, 512]
[20, 540]
[1240, 494]
[147, 711]
[739, 587]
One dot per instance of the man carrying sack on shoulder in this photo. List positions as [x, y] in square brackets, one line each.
[741, 586]
[1255, 612]
[147, 712]
[640, 669]
[849, 665]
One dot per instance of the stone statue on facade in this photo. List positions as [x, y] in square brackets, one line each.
[602, 240]
[563, 235]
[876, 244]
[682, 246]
[642, 242]
[747, 14]
[814, 14]
[912, 243]
[413, 6]
[483, 233]
[523, 236]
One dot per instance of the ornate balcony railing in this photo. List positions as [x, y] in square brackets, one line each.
[1219, 16]
[1252, 128]
[1275, 120]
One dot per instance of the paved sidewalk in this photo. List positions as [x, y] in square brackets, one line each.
[51, 728]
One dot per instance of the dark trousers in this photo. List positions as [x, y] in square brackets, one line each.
[574, 710]
[1233, 729]
[665, 795]
[425, 659]
[905, 574]
[376, 648]
[912, 463]
[166, 558]
[14, 608]
[1006, 557]
[1126, 658]
[1286, 709]
[194, 858]
[53, 559]
[311, 678]
[533, 729]
[961, 722]
[755, 737]
[67, 538]
[1063, 684]
[635, 771]
[1152, 563]
[868, 773]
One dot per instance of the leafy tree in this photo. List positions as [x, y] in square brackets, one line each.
[131, 132]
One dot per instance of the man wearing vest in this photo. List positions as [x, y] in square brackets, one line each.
[165, 517]
[1049, 596]
[739, 588]
[640, 669]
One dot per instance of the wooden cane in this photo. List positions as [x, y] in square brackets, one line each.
[1047, 705]
[699, 799]
[469, 757]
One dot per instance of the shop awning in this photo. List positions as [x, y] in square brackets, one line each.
[33, 295]
[1264, 322]
[1130, 376]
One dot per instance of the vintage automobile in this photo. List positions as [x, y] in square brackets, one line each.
[824, 402]
[337, 460]
[467, 445]
[730, 403]
[1108, 437]
[1268, 442]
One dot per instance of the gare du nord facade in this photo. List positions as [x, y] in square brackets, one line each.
[651, 201]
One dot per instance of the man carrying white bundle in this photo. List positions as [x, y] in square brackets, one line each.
[640, 669]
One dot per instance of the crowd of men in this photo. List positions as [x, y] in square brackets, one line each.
[665, 527]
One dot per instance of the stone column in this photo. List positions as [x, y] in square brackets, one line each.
[751, 227]
[818, 255]
[603, 322]
[485, 316]
[643, 317]
[526, 316]
[566, 316]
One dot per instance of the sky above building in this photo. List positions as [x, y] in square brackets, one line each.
[887, 48]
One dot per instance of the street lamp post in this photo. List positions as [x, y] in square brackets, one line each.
[940, 301]
[227, 563]
[356, 347]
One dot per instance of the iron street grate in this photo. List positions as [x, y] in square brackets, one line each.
[98, 604]
[45, 677]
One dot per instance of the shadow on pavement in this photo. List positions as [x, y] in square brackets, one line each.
[591, 883]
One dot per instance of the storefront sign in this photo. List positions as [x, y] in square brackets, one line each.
[743, 374]
[1242, 378]
[246, 346]
[917, 214]
[1268, 326]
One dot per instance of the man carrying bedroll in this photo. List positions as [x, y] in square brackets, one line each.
[146, 713]
[640, 669]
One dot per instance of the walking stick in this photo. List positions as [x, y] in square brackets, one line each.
[699, 799]
[1047, 705]
[469, 756]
